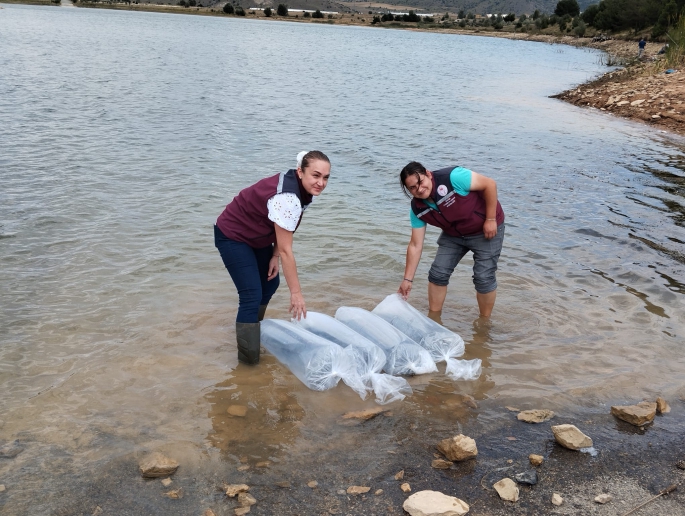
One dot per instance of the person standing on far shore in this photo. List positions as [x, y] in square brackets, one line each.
[641, 47]
[256, 230]
[464, 205]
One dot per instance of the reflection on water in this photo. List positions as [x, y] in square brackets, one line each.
[118, 149]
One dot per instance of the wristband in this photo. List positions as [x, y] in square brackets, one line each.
[407, 279]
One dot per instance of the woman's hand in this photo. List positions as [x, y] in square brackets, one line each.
[405, 288]
[273, 268]
[298, 309]
[490, 229]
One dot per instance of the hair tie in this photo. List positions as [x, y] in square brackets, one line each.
[300, 156]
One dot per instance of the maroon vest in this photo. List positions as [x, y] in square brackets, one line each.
[246, 217]
[457, 215]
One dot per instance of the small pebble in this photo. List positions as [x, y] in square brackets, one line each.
[313, 484]
[406, 488]
[378, 492]
[603, 498]
[556, 499]
[399, 475]
[166, 482]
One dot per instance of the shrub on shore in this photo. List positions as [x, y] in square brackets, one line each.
[307, 15]
[239, 11]
[282, 10]
[268, 12]
[228, 8]
[317, 14]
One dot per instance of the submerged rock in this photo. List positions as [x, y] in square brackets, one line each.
[637, 415]
[175, 494]
[157, 465]
[378, 492]
[535, 416]
[557, 500]
[406, 488]
[312, 484]
[11, 450]
[507, 490]
[246, 499]
[434, 503]
[241, 511]
[166, 482]
[527, 477]
[358, 490]
[237, 410]
[441, 464]
[458, 448]
[399, 475]
[570, 437]
[365, 415]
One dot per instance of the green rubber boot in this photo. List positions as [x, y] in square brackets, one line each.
[248, 342]
[262, 311]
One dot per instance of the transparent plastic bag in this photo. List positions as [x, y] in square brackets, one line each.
[441, 343]
[403, 355]
[315, 361]
[369, 358]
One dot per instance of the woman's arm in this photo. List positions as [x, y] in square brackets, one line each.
[284, 243]
[414, 250]
[489, 188]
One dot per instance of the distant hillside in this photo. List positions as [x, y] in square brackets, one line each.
[478, 6]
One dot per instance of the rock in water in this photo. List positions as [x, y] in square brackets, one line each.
[246, 499]
[11, 450]
[637, 415]
[406, 488]
[570, 437]
[365, 415]
[662, 406]
[312, 484]
[557, 500]
[535, 460]
[358, 490]
[535, 416]
[507, 490]
[237, 410]
[527, 477]
[157, 465]
[399, 475]
[603, 498]
[434, 503]
[458, 448]
[233, 490]
[441, 464]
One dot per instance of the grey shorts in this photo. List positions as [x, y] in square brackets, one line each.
[485, 257]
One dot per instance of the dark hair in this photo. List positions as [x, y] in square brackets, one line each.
[312, 156]
[412, 169]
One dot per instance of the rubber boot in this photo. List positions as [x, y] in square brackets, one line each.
[262, 311]
[248, 342]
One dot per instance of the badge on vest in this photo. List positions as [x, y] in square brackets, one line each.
[442, 190]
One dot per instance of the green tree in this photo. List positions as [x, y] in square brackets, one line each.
[317, 14]
[282, 10]
[461, 15]
[228, 8]
[567, 7]
[239, 11]
[510, 17]
[412, 17]
[268, 12]
[589, 14]
[580, 29]
[536, 14]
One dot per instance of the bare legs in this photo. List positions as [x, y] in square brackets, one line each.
[437, 294]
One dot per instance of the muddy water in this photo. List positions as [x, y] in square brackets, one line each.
[123, 135]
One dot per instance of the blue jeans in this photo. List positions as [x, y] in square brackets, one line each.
[485, 257]
[249, 269]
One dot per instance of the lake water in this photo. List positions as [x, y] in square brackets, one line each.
[122, 137]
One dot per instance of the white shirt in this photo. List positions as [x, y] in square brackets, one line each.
[285, 210]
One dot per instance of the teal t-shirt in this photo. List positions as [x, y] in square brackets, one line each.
[460, 178]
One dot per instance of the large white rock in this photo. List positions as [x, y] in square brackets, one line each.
[434, 503]
[458, 448]
[507, 490]
[570, 437]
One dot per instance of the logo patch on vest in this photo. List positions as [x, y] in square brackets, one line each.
[442, 190]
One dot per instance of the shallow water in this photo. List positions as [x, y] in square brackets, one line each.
[122, 137]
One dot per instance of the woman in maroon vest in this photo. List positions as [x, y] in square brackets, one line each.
[464, 205]
[255, 230]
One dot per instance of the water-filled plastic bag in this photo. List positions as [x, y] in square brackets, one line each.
[315, 361]
[369, 358]
[403, 355]
[441, 343]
